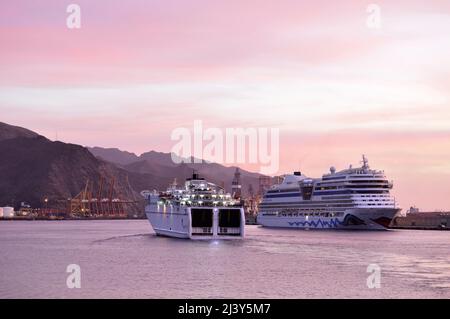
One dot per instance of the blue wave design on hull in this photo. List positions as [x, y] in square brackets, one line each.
[335, 222]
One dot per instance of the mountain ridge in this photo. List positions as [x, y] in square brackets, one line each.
[161, 164]
[33, 168]
[8, 131]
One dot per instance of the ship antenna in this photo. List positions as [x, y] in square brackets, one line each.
[365, 162]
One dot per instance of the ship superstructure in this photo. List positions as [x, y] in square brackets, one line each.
[199, 210]
[354, 198]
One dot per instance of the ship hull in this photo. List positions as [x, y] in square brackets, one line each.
[198, 223]
[353, 219]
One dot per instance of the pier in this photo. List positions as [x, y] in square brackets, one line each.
[423, 220]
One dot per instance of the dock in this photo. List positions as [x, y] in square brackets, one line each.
[423, 220]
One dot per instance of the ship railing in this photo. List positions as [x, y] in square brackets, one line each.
[229, 230]
[202, 231]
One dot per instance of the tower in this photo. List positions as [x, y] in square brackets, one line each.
[236, 187]
[264, 184]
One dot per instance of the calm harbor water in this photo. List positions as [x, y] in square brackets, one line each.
[124, 259]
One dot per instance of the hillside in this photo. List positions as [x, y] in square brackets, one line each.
[9, 131]
[160, 166]
[33, 168]
[114, 155]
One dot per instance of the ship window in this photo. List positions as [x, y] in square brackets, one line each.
[230, 218]
[306, 190]
[202, 217]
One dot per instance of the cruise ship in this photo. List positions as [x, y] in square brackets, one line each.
[199, 210]
[354, 198]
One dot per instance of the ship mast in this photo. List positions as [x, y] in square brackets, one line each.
[365, 162]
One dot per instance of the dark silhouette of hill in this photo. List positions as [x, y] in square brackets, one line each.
[33, 168]
[161, 165]
[8, 131]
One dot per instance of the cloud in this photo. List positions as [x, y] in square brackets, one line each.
[137, 70]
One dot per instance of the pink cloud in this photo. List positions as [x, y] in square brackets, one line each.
[182, 38]
[248, 47]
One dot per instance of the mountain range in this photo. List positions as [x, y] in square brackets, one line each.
[33, 168]
[161, 167]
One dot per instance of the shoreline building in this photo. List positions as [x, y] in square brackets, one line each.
[416, 219]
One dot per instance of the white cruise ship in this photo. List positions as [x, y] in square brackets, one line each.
[354, 198]
[199, 210]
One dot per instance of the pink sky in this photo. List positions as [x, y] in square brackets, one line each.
[335, 88]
